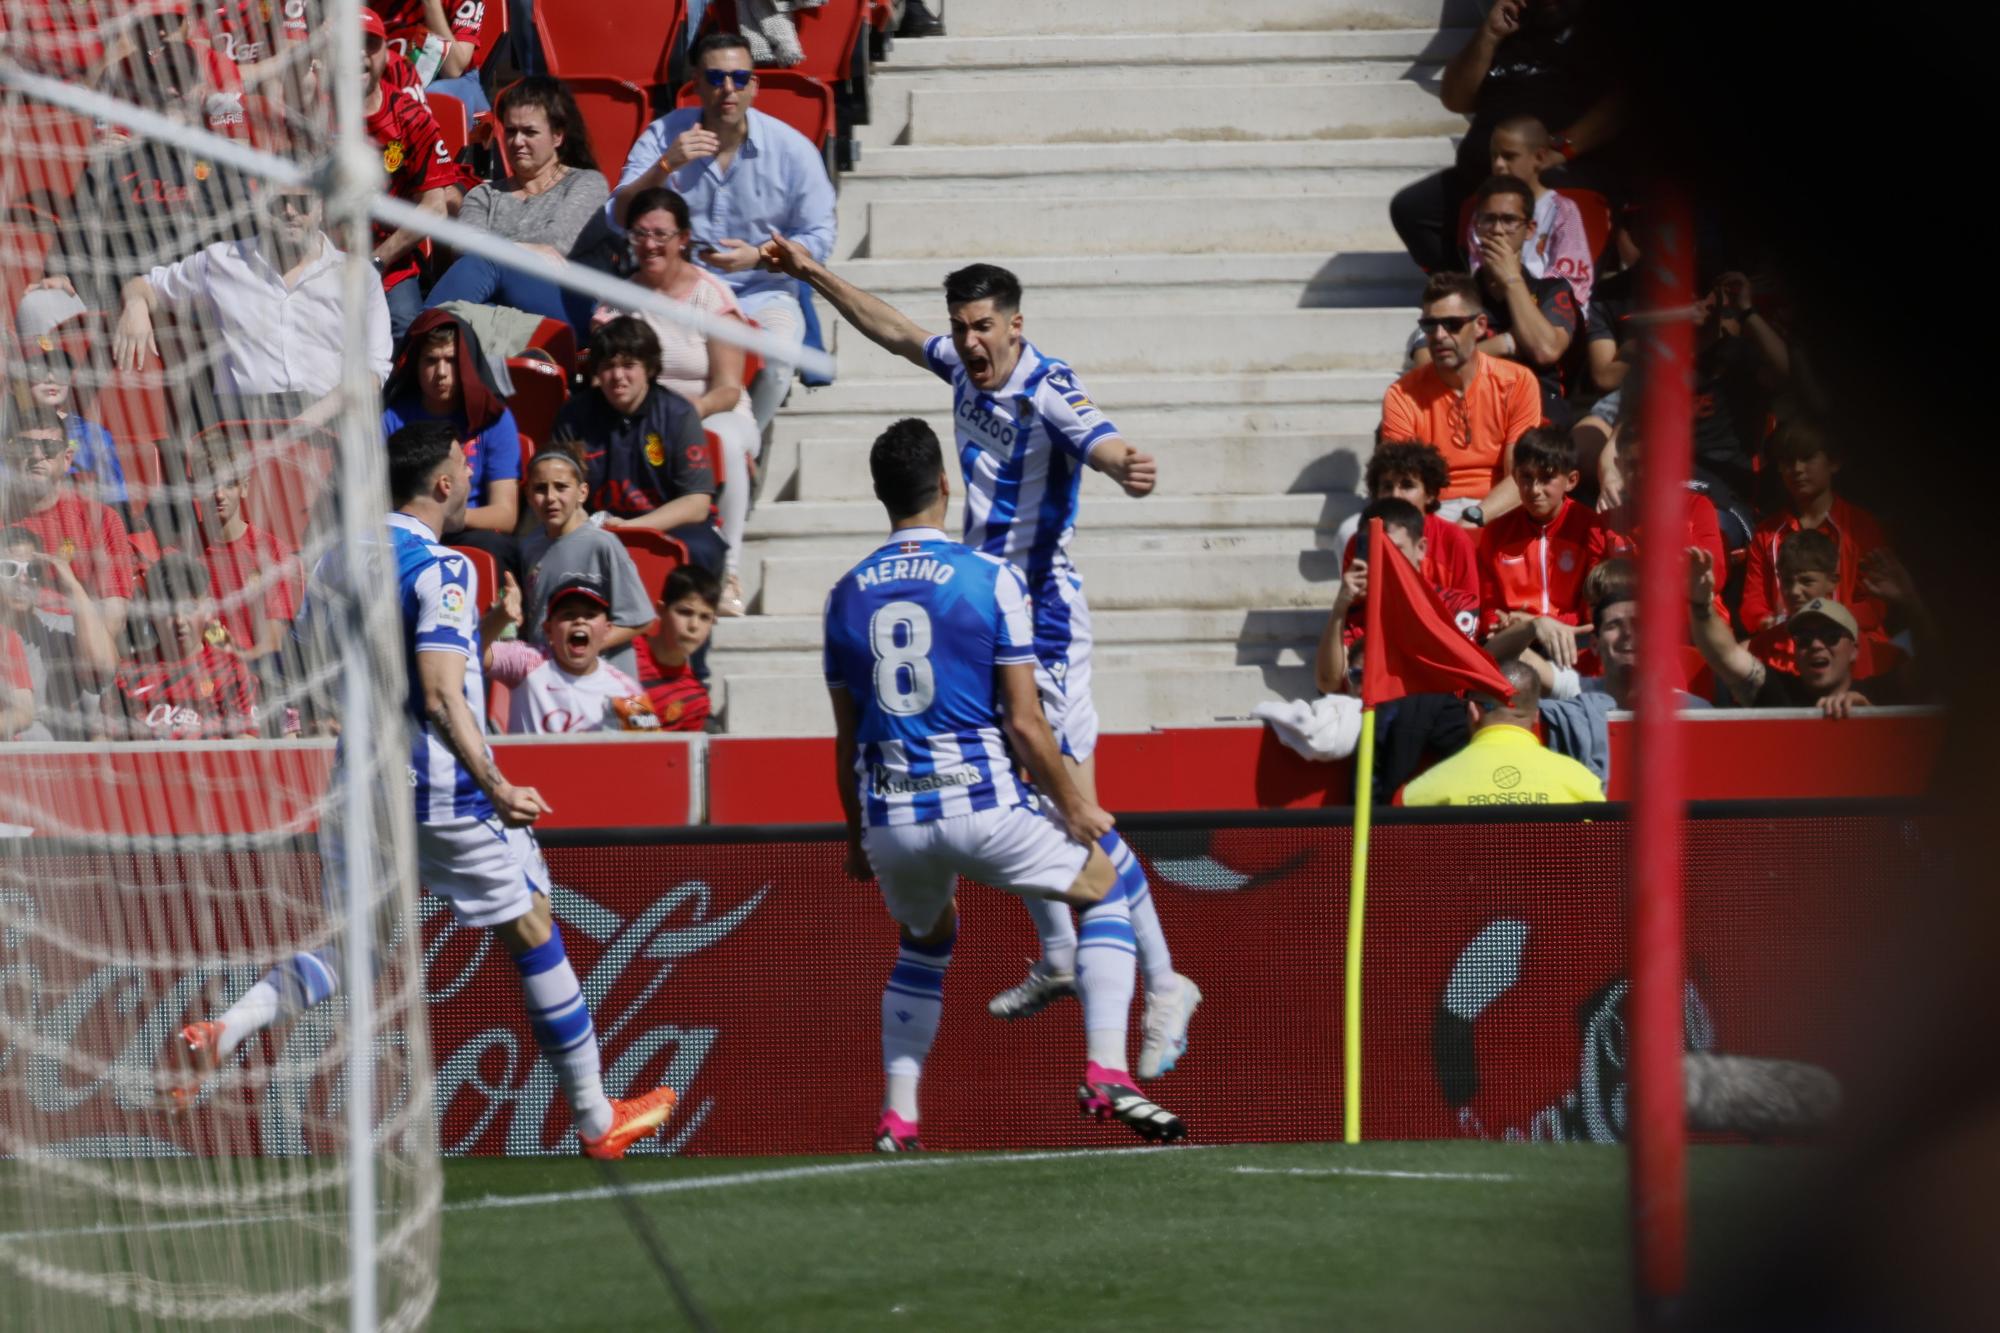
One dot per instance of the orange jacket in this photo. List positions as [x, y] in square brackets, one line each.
[1526, 566]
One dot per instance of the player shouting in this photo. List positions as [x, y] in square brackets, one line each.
[1026, 429]
[930, 659]
[473, 844]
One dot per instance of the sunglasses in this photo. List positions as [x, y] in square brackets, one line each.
[280, 204]
[1449, 323]
[12, 570]
[29, 446]
[1829, 635]
[651, 237]
[717, 77]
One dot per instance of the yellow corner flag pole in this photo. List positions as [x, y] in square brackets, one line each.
[1357, 899]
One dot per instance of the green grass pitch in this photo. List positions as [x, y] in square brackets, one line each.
[1305, 1236]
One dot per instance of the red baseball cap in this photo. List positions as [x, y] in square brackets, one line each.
[371, 24]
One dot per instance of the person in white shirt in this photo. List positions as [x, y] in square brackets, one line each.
[565, 687]
[274, 303]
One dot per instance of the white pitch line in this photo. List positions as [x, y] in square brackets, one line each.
[1375, 1173]
[501, 1201]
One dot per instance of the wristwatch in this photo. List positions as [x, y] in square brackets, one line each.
[1474, 515]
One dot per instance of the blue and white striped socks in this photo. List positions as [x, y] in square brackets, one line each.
[295, 985]
[1154, 956]
[1106, 962]
[563, 1030]
[912, 1003]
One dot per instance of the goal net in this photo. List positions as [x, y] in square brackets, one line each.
[180, 464]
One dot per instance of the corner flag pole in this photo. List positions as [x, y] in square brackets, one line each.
[1357, 899]
[1657, 1128]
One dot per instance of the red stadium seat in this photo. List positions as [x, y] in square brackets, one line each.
[558, 339]
[654, 553]
[24, 249]
[801, 102]
[488, 570]
[291, 473]
[449, 113]
[540, 390]
[133, 405]
[634, 42]
[139, 460]
[49, 148]
[828, 35]
[614, 111]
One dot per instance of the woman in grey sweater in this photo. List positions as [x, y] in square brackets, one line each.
[551, 203]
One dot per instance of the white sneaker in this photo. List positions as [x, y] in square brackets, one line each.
[1167, 1027]
[1039, 990]
[732, 597]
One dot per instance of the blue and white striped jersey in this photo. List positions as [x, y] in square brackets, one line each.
[914, 634]
[439, 592]
[1022, 449]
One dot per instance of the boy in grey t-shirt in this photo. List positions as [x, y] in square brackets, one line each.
[568, 543]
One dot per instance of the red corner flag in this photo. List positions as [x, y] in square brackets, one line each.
[1412, 646]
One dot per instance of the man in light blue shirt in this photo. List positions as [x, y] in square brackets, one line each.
[743, 174]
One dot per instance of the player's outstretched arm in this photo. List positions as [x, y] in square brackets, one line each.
[883, 324]
[1028, 729]
[442, 675]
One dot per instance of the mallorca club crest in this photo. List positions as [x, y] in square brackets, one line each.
[656, 449]
[392, 156]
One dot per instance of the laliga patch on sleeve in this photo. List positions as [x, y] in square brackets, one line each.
[451, 603]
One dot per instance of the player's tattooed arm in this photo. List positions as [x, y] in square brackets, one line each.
[881, 322]
[844, 778]
[1733, 664]
[442, 675]
[1028, 730]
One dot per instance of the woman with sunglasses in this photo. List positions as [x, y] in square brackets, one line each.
[707, 374]
[551, 201]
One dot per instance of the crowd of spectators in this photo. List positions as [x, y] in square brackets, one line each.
[157, 606]
[1517, 426]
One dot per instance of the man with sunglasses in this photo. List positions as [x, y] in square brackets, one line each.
[1467, 405]
[46, 375]
[83, 533]
[744, 175]
[1826, 641]
[273, 303]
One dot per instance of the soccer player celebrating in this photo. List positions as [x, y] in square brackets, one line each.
[1026, 429]
[473, 844]
[921, 637]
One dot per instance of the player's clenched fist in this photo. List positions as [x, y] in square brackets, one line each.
[518, 807]
[780, 255]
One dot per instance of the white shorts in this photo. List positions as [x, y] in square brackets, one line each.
[1062, 665]
[1011, 848]
[489, 873]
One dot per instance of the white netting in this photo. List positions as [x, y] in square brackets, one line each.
[173, 470]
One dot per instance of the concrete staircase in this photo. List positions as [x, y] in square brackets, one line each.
[1197, 207]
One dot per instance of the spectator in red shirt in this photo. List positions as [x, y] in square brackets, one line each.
[1469, 406]
[181, 686]
[687, 614]
[1337, 664]
[1621, 522]
[1811, 567]
[443, 41]
[17, 687]
[1534, 562]
[254, 578]
[84, 534]
[1415, 473]
[70, 656]
[419, 168]
[1806, 466]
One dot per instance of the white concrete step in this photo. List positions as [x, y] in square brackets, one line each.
[1071, 52]
[1210, 344]
[1300, 463]
[1154, 284]
[1178, 579]
[1022, 18]
[1100, 166]
[1178, 110]
[850, 525]
[1128, 698]
[1326, 224]
[1251, 70]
